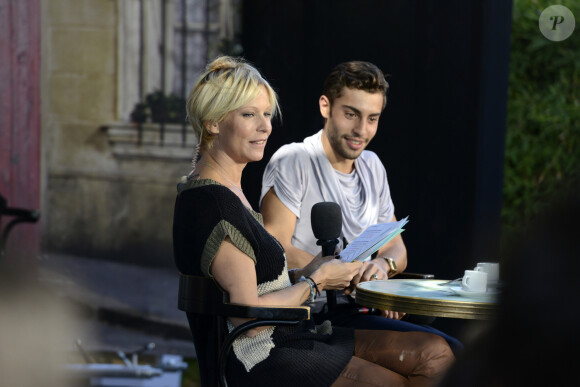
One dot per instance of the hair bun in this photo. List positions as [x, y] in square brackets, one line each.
[224, 63]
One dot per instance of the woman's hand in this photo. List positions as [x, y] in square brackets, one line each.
[315, 264]
[335, 275]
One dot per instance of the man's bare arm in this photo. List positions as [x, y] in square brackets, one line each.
[281, 222]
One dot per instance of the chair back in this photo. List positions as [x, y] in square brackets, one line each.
[201, 300]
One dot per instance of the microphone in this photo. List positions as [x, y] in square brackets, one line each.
[326, 220]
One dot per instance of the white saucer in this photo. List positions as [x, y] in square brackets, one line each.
[495, 284]
[460, 292]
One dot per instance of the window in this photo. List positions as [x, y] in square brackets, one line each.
[165, 44]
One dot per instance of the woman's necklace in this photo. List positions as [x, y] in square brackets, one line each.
[231, 184]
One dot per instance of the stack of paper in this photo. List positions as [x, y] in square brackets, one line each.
[372, 239]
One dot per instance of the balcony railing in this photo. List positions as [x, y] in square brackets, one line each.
[162, 51]
[150, 140]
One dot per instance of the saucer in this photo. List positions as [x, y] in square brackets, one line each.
[460, 292]
[495, 284]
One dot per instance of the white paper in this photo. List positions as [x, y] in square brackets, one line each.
[372, 239]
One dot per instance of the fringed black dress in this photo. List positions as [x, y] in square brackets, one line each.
[308, 355]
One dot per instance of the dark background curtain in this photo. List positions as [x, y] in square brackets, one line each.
[441, 136]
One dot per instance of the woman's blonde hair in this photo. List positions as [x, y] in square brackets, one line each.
[226, 85]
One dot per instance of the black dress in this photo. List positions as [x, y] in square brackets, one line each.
[308, 355]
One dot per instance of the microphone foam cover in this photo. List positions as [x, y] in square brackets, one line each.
[326, 220]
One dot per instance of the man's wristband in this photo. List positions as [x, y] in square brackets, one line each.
[392, 266]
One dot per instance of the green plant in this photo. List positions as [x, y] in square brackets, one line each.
[139, 113]
[159, 108]
[542, 154]
[175, 109]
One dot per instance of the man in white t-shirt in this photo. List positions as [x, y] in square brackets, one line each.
[333, 165]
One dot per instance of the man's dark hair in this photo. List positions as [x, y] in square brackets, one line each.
[355, 75]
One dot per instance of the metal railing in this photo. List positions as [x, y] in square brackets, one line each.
[185, 64]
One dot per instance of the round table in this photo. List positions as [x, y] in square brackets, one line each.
[426, 297]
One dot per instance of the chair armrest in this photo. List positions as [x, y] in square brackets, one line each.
[267, 312]
[406, 275]
[23, 215]
[20, 215]
[201, 295]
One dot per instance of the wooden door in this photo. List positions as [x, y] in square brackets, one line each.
[20, 120]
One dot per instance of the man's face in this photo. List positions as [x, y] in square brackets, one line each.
[351, 122]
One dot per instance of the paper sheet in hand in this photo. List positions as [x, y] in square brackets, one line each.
[372, 239]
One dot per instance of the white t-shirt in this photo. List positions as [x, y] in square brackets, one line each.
[302, 176]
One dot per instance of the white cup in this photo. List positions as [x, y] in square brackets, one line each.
[492, 270]
[474, 281]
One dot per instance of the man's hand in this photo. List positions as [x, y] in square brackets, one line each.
[369, 271]
[393, 315]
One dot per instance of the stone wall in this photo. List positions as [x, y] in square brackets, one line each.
[97, 202]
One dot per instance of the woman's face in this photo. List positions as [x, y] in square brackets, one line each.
[243, 134]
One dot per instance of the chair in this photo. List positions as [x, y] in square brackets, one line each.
[206, 307]
[21, 215]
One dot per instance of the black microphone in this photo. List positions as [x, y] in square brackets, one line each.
[326, 220]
